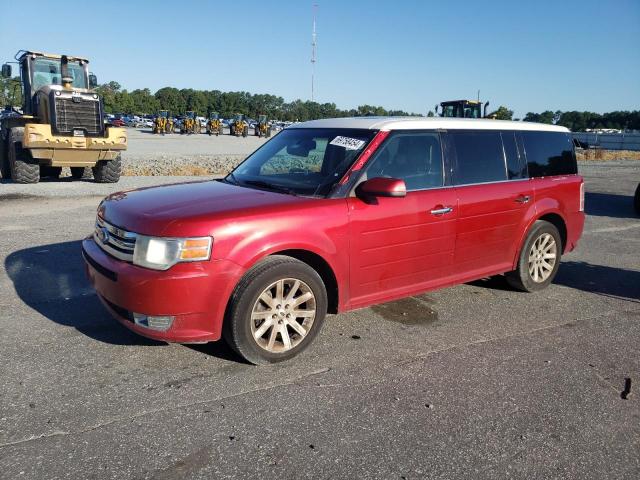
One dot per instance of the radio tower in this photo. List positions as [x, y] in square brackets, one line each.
[313, 51]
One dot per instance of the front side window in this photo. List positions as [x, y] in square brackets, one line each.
[479, 157]
[46, 71]
[415, 158]
[549, 153]
[304, 161]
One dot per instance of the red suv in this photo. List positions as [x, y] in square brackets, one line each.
[333, 215]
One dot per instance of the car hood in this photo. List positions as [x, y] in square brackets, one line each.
[188, 209]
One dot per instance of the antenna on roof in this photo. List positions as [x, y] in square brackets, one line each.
[313, 50]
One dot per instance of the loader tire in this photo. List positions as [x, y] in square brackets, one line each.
[245, 131]
[108, 171]
[24, 168]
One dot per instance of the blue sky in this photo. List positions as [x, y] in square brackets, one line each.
[530, 56]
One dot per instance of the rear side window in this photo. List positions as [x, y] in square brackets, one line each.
[516, 166]
[549, 153]
[479, 157]
[414, 157]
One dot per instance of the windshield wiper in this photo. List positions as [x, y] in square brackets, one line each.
[268, 186]
[234, 181]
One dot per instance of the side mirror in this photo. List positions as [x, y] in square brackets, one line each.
[93, 81]
[382, 187]
[6, 70]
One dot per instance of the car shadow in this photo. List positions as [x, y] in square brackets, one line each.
[51, 280]
[609, 205]
[598, 279]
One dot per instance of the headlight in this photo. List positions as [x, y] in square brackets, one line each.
[162, 253]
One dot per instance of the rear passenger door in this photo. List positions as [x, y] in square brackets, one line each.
[401, 246]
[489, 174]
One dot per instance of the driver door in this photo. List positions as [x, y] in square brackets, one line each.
[402, 246]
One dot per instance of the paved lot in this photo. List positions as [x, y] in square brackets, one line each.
[475, 381]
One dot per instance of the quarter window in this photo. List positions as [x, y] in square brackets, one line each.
[415, 158]
[479, 157]
[549, 153]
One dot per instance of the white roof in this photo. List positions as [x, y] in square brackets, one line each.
[410, 123]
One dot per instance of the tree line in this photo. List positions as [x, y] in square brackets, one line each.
[227, 104]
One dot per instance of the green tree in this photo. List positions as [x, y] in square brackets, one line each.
[502, 113]
[10, 92]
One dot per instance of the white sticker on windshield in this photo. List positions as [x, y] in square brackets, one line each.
[348, 143]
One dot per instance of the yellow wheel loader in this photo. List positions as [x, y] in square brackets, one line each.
[262, 128]
[462, 109]
[239, 127]
[214, 125]
[61, 123]
[190, 124]
[160, 123]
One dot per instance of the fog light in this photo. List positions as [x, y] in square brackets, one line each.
[159, 322]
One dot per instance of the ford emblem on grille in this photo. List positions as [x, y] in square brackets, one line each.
[103, 235]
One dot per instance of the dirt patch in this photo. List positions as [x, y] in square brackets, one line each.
[600, 154]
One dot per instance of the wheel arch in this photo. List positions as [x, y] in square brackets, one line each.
[323, 268]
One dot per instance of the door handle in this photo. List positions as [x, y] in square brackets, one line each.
[523, 199]
[441, 210]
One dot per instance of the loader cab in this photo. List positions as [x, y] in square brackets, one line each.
[164, 113]
[462, 109]
[214, 116]
[39, 70]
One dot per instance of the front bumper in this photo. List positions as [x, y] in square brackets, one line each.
[196, 294]
[68, 151]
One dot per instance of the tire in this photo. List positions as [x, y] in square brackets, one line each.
[107, 171]
[240, 331]
[245, 131]
[80, 172]
[24, 168]
[636, 200]
[531, 273]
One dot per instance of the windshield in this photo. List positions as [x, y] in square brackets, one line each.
[304, 161]
[46, 71]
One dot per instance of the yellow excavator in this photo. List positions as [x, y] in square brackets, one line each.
[214, 125]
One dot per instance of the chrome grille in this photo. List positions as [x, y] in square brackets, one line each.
[81, 113]
[115, 241]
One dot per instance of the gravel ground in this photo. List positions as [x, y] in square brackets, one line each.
[176, 154]
[474, 381]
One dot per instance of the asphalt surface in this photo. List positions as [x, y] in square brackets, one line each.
[474, 381]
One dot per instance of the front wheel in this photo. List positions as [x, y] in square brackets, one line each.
[108, 171]
[23, 167]
[276, 310]
[539, 259]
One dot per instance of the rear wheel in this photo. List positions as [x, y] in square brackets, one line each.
[539, 259]
[24, 168]
[108, 171]
[245, 131]
[276, 310]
